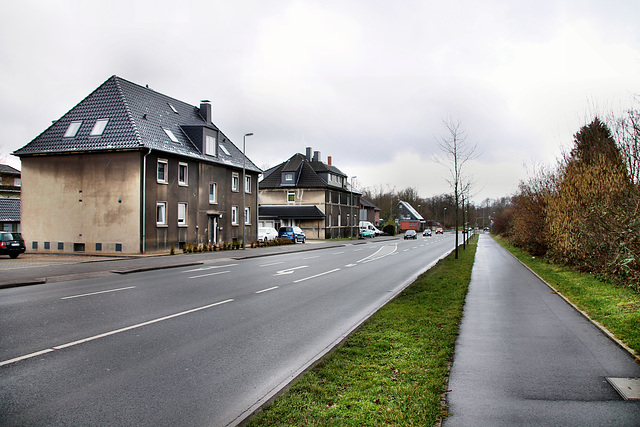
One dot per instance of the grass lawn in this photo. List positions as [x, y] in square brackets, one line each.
[615, 307]
[391, 371]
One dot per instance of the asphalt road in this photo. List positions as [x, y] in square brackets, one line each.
[205, 344]
[524, 357]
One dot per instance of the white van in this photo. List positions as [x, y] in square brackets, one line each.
[368, 225]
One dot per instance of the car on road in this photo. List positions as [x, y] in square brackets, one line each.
[410, 234]
[11, 244]
[295, 234]
[427, 232]
[267, 233]
[365, 232]
[439, 230]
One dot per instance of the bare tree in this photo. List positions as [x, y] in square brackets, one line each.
[456, 152]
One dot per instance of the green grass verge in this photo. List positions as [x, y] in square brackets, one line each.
[394, 369]
[615, 307]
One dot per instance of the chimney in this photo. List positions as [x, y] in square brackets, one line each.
[316, 156]
[206, 112]
[329, 160]
[308, 154]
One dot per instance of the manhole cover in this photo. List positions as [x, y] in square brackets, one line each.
[629, 388]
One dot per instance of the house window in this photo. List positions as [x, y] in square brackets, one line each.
[17, 182]
[291, 196]
[213, 192]
[173, 108]
[247, 184]
[234, 215]
[210, 145]
[288, 177]
[183, 173]
[225, 150]
[161, 213]
[171, 135]
[247, 215]
[235, 182]
[98, 128]
[162, 171]
[182, 214]
[72, 130]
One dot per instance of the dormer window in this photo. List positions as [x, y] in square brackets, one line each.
[99, 127]
[288, 177]
[170, 134]
[72, 130]
[210, 146]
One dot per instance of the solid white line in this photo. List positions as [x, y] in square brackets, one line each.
[96, 293]
[209, 274]
[317, 275]
[106, 334]
[268, 289]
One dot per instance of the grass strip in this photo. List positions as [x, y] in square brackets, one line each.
[394, 369]
[614, 307]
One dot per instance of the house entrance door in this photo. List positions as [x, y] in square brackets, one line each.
[213, 229]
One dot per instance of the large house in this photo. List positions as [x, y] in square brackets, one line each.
[306, 192]
[130, 170]
[10, 184]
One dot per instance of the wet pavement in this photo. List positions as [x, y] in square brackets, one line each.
[526, 357]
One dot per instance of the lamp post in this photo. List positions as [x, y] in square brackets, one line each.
[244, 186]
[351, 209]
[444, 215]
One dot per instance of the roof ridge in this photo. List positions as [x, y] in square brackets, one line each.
[127, 108]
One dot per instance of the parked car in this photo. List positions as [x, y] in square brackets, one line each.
[410, 234]
[295, 234]
[439, 230]
[427, 232]
[267, 233]
[365, 232]
[11, 244]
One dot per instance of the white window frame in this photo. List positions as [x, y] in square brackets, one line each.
[99, 127]
[235, 181]
[161, 207]
[288, 177]
[291, 196]
[73, 129]
[184, 180]
[165, 179]
[182, 214]
[213, 193]
[247, 215]
[247, 184]
[234, 215]
[210, 148]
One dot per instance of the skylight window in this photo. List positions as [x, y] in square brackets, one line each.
[170, 134]
[225, 150]
[173, 108]
[98, 128]
[72, 130]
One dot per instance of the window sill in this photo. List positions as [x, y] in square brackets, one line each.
[162, 225]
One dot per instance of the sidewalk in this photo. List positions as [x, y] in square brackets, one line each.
[526, 357]
[32, 269]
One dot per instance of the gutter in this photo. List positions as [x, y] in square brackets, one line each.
[144, 202]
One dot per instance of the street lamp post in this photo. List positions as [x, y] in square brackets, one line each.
[351, 209]
[244, 187]
[444, 215]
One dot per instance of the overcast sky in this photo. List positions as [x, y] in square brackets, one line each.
[367, 82]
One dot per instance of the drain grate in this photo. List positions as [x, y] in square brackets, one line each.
[629, 388]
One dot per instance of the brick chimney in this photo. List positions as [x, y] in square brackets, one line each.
[329, 160]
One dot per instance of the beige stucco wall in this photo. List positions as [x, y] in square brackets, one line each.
[84, 198]
[303, 197]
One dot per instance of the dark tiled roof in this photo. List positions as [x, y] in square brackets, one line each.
[290, 212]
[307, 174]
[10, 210]
[137, 116]
[8, 170]
[368, 204]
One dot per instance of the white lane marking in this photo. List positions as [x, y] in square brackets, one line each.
[312, 257]
[374, 257]
[96, 293]
[267, 290]
[289, 270]
[273, 263]
[211, 267]
[351, 265]
[358, 250]
[209, 274]
[337, 253]
[317, 275]
[117, 331]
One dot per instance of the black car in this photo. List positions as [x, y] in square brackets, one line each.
[11, 244]
[410, 234]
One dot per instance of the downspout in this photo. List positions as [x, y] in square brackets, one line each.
[144, 202]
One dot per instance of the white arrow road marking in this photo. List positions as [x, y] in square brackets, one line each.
[289, 270]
